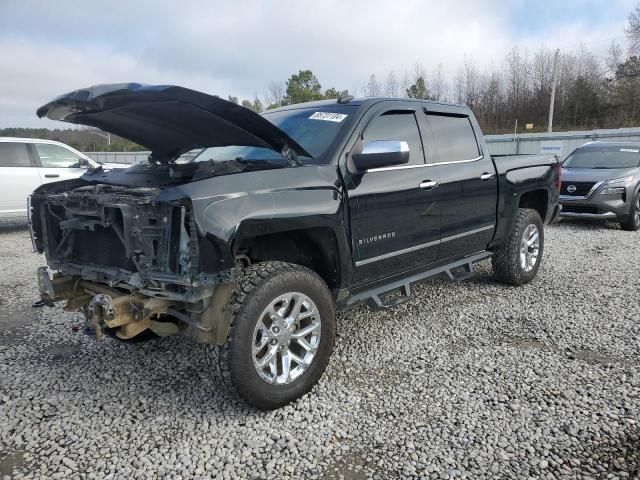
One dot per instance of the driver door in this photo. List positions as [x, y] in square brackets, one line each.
[395, 218]
[56, 162]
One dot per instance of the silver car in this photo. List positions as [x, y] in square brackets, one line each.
[600, 180]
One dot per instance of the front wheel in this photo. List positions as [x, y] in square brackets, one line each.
[282, 334]
[632, 222]
[517, 260]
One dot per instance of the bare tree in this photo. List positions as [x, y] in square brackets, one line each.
[374, 89]
[633, 31]
[276, 93]
[418, 72]
[491, 101]
[516, 79]
[406, 83]
[437, 84]
[542, 69]
[391, 85]
[614, 58]
[467, 83]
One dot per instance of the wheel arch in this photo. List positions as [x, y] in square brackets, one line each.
[537, 200]
[315, 247]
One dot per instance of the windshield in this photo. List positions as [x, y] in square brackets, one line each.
[603, 157]
[314, 129]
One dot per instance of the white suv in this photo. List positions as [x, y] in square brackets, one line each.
[26, 163]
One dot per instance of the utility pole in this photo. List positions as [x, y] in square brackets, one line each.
[106, 136]
[553, 90]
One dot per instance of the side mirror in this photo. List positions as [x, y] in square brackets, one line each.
[381, 153]
[84, 163]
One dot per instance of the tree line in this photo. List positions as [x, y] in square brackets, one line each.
[591, 91]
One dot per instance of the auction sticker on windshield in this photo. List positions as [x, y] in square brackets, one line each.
[328, 116]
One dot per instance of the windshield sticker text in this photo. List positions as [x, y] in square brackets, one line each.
[328, 116]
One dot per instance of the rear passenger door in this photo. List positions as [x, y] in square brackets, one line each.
[467, 183]
[394, 222]
[18, 178]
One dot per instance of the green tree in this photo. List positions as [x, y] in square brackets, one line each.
[233, 99]
[303, 87]
[419, 90]
[583, 104]
[255, 105]
[331, 93]
[624, 94]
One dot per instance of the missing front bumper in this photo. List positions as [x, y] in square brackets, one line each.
[206, 317]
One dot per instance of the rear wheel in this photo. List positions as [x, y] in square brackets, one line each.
[282, 334]
[517, 260]
[632, 222]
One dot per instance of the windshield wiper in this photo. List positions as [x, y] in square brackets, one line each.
[260, 163]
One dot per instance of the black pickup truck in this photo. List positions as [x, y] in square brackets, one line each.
[248, 231]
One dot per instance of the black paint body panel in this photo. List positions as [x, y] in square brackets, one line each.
[383, 224]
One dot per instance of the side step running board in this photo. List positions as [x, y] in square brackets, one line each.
[467, 272]
[372, 297]
[375, 302]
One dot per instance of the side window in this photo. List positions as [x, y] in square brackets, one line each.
[397, 125]
[55, 156]
[14, 155]
[454, 138]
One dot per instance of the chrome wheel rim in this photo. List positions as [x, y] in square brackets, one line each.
[636, 213]
[286, 338]
[529, 248]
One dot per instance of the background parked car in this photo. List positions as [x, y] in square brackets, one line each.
[27, 163]
[601, 181]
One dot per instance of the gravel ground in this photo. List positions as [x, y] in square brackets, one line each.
[475, 380]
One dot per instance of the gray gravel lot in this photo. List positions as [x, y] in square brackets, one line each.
[475, 380]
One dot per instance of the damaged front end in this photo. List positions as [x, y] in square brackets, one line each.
[129, 262]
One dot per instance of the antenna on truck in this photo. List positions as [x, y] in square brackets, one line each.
[344, 97]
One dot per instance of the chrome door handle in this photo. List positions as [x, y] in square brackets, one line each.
[428, 185]
[487, 176]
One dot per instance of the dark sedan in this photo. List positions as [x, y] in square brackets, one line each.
[600, 181]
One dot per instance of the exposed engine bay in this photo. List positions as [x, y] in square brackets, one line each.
[157, 246]
[128, 262]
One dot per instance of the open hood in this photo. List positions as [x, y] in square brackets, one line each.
[168, 120]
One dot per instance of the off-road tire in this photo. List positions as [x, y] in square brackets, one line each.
[259, 285]
[631, 223]
[506, 258]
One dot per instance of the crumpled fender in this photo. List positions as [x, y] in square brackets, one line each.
[231, 208]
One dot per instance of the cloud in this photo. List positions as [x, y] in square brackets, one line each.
[230, 47]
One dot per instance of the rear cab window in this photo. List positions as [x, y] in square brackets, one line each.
[397, 125]
[14, 154]
[454, 137]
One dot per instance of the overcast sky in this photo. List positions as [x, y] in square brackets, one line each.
[239, 47]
